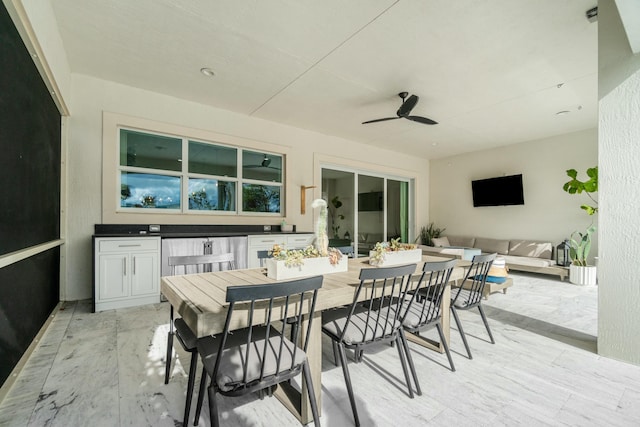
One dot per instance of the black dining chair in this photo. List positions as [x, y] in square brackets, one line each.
[469, 293]
[179, 328]
[259, 356]
[423, 307]
[375, 320]
[263, 256]
[346, 250]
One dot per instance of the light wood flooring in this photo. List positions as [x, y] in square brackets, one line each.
[106, 369]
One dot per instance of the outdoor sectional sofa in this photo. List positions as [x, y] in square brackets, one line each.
[520, 255]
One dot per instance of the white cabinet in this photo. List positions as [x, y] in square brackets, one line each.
[266, 242]
[127, 271]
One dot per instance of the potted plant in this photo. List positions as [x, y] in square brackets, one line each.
[385, 254]
[335, 216]
[580, 272]
[310, 261]
[428, 233]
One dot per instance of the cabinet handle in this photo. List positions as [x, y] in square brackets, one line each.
[134, 266]
[124, 265]
[129, 246]
[267, 241]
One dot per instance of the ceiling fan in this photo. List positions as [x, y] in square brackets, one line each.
[265, 163]
[404, 110]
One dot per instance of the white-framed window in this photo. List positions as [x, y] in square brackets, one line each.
[167, 173]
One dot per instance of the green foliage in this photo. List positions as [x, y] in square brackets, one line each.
[580, 243]
[428, 233]
[260, 198]
[335, 216]
[199, 200]
[296, 257]
[580, 246]
[589, 186]
[381, 248]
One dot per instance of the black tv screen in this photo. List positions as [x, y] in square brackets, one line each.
[500, 191]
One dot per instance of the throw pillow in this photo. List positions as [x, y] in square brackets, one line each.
[440, 241]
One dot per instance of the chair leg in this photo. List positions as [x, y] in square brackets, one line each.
[404, 366]
[347, 380]
[213, 407]
[203, 383]
[459, 325]
[167, 369]
[412, 367]
[486, 324]
[336, 360]
[312, 395]
[192, 379]
[446, 346]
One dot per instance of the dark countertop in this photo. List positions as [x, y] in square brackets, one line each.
[186, 231]
[203, 234]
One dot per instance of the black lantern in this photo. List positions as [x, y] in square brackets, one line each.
[562, 254]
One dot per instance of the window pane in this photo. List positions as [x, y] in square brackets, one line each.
[260, 198]
[212, 195]
[261, 166]
[143, 190]
[145, 150]
[212, 159]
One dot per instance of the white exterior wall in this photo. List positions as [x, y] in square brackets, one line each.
[548, 212]
[618, 267]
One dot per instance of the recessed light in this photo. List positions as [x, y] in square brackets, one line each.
[562, 113]
[434, 144]
[207, 72]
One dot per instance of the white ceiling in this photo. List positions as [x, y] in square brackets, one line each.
[487, 71]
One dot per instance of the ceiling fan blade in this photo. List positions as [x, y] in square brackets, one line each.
[381, 120]
[423, 120]
[407, 106]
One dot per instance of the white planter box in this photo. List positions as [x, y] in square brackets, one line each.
[312, 267]
[398, 257]
[582, 275]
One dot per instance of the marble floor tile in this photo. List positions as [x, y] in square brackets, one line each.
[107, 369]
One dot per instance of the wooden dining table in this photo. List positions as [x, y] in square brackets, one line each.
[201, 301]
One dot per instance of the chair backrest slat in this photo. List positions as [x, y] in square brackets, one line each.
[278, 301]
[475, 279]
[426, 300]
[387, 287]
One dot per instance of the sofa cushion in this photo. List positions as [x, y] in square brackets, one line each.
[492, 245]
[530, 248]
[461, 241]
[528, 261]
[440, 241]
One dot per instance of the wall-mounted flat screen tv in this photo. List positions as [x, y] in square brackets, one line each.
[368, 202]
[499, 191]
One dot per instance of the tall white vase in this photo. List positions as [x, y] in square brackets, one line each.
[582, 275]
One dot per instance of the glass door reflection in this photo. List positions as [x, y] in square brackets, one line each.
[370, 212]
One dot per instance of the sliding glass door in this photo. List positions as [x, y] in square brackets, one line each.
[366, 208]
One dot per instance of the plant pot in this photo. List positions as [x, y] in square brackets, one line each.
[398, 257]
[579, 275]
[311, 267]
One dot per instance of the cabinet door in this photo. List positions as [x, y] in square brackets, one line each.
[144, 273]
[113, 276]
